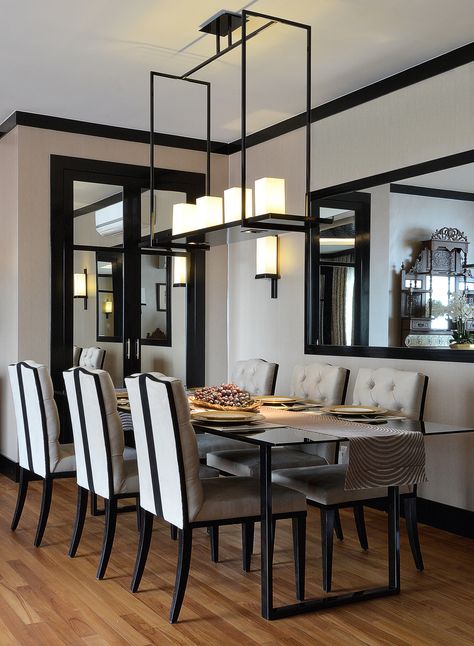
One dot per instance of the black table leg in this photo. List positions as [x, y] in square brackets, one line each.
[394, 538]
[266, 530]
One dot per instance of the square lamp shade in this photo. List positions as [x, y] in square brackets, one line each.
[180, 271]
[267, 257]
[209, 211]
[184, 218]
[269, 195]
[233, 204]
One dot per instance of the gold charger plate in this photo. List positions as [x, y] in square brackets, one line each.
[352, 411]
[227, 417]
[276, 399]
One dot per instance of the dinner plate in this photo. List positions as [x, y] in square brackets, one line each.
[352, 411]
[275, 399]
[227, 417]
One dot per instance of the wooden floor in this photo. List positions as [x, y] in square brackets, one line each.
[47, 598]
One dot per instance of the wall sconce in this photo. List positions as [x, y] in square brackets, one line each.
[267, 261]
[80, 286]
[180, 271]
[108, 308]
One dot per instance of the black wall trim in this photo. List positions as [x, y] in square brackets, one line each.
[439, 65]
[59, 124]
[100, 204]
[440, 516]
[441, 193]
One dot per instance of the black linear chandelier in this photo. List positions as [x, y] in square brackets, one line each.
[192, 222]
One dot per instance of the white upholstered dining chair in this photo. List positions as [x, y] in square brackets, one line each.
[105, 467]
[39, 451]
[170, 485]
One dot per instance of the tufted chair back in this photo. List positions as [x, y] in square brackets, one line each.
[76, 355]
[92, 358]
[167, 454]
[321, 382]
[398, 390]
[97, 431]
[37, 417]
[256, 376]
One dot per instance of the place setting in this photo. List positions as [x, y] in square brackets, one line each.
[362, 414]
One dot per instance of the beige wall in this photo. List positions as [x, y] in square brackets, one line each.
[424, 121]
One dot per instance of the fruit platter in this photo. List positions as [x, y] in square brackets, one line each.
[224, 397]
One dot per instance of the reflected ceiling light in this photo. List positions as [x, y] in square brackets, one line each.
[337, 242]
[233, 204]
[267, 261]
[80, 286]
[180, 271]
[108, 308]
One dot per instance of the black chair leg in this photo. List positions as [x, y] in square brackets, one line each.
[184, 559]
[146, 527]
[81, 510]
[327, 530]
[338, 527]
[20, 501]
[248, 530]
[173, 532]
[214, 540]
[109, 533]
[409, 504]
[299, 548]
[45, 507]
[360, 526]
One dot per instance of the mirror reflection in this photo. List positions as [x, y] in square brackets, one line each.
[109, 277]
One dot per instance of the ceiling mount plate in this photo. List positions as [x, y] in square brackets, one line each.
[222, 23]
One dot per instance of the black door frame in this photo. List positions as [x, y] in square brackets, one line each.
[64, 170]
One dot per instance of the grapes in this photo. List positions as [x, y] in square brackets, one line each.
[224, 395]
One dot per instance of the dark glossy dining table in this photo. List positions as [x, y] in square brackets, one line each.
[290, 435]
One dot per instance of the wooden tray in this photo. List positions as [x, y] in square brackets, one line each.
[252, 406]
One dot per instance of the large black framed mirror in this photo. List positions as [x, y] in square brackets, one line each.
[408, 206]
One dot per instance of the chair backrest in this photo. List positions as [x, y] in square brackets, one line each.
[37, 418]
[97, 431]
[399, 390]
[76, 355]
[321, 382]
[256, 376]
[167, 454]
[92, 358]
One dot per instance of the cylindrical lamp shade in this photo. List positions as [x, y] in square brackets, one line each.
[233, 204]
[267, 256]
[180, 271]
[269, 195]
[184, 218]
[108, 307]
[209, 211]
[80, 285]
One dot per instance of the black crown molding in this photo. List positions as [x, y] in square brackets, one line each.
[439, 193]
[444, 63]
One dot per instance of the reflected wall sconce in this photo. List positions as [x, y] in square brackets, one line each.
[108, 308]
[267, 261]
[180, 271]
[80, 286]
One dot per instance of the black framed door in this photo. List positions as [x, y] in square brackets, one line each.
[131, 183]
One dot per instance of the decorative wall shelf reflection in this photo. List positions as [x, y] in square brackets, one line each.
[439, 271]
[223, 24]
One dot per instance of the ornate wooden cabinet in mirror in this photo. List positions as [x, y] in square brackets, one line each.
[427, 289]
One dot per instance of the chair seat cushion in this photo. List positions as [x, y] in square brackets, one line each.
[240, 497]
[246, 462]
[325, 484]
[208, 472]
[67, 459]
[207, 443]
[130, 482]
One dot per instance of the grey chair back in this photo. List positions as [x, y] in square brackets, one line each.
[256, 376]
[97, 431]
[37, 417]
[403, 391]
[167, 454]
[320, 382]
[92, 358]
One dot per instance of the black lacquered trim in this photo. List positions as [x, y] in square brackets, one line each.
[82, 421]
[24, 414]
[150, 440]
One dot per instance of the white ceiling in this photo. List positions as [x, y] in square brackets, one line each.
[90, 60]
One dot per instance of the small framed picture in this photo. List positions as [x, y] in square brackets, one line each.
[161, 297]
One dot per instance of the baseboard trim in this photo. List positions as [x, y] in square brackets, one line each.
[9, 468]
[440, 516]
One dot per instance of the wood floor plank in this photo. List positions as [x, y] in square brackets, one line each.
[47, 598]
